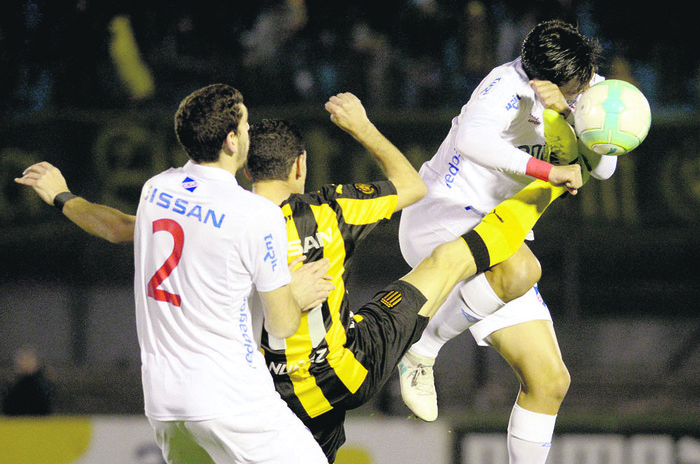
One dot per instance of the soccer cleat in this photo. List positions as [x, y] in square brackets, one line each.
[560, 142]
[418, 386]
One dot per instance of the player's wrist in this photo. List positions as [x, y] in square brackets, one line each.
[60, 200]
[365, 132]
[538, 169]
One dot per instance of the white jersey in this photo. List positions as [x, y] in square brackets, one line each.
[201, 244]
[483, 159]
[482, 162]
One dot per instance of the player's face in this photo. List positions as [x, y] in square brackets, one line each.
[573, 89]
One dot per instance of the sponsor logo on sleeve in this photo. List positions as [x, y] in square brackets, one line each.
[514, 103]
[491, 86]
[271, 256]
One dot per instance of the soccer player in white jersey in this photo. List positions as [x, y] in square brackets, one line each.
[494, 148]
[201, 244]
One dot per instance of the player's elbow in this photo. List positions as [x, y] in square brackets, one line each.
[122, 231]
[474, 140]
[418, 190]
[411, 192]
[282, 330]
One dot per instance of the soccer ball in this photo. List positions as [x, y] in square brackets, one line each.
[612, 117]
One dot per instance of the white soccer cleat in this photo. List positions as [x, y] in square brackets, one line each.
[418, 386]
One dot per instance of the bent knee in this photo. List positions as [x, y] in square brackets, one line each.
[516, 276]
[550, 383]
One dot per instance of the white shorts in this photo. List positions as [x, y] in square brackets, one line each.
[263, 438]
[420, 231]
[529, 307]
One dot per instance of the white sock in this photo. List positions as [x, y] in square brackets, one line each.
[465, 306]
[529, 436]
[479, 298]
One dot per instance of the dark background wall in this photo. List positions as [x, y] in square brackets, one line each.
[619, 259]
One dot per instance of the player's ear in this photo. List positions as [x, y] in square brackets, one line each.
[231, 143]
[300, 166]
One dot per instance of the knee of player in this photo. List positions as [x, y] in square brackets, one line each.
[515, 277]
[551, 383]
[559, 384]
[525, 273]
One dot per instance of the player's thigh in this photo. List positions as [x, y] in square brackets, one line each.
[385, 328]
[178, 444]
[417, 240]
[532, 350]
[429, 223]
[282, 439]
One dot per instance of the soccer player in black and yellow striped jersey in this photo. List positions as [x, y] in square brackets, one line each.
[338, 359]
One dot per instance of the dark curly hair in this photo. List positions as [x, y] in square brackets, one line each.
[205, 118]
[274, 146]
[556, 51]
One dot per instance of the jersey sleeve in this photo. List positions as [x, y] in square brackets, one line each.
[489, 113]
[605, 168]
[266, 249]
[361, 207]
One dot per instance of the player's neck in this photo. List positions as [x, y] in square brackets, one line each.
[229, 163]
[276, 191]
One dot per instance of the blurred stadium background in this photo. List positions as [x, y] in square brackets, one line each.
[92, 89]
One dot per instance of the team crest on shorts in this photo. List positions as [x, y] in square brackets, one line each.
[365, 188]
[391, 299]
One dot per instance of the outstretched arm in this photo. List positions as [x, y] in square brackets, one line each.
[348, 113]
[99, 220]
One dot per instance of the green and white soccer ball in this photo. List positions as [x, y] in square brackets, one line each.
[612, 117]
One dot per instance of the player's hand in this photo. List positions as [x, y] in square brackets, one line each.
[310, 284]
[46, 180]
[568, 176]
[347, 112]
[551, 96]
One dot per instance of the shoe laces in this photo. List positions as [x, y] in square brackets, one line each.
[422, 378]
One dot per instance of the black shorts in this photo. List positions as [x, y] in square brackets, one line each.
[383, 330]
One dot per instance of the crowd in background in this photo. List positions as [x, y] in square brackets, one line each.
[392, 53]
[58, 55]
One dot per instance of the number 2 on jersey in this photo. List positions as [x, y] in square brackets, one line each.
[174, 229]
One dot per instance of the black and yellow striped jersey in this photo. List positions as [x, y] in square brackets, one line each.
[313, 369]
